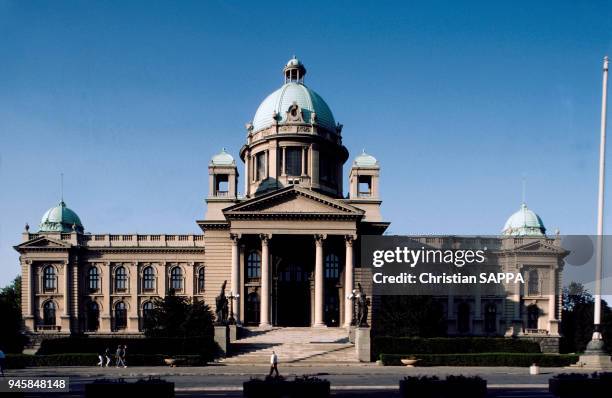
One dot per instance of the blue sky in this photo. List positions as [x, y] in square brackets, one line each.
[457, 100]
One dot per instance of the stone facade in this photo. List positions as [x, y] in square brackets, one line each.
[288, 248]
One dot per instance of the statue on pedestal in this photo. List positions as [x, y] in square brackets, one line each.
[221, 306]
[363, 303]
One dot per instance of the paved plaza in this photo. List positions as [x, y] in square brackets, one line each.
[347, 381]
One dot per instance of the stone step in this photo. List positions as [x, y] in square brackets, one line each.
[293, 346]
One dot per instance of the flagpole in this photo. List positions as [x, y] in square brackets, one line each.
[600, 207]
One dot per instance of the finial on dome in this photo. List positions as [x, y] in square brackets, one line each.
[294, 71]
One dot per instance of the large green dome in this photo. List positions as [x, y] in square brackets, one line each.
[524, 222]
[60, 219]
[274, 108]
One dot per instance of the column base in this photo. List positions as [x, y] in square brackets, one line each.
[319, 326]
[265, 326]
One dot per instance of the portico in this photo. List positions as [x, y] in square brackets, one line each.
[281, 257]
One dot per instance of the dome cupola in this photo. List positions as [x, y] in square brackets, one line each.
[222, 159]
[365, 160]
[294, 71]
[60, 219]
[524, 222]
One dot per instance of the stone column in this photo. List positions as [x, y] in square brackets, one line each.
[348, 280]
[319, 285]
[235, 278]
[264, 316]
[105, 318]
[303, 161]
[75, 296]
[133, 290]
[553, 327]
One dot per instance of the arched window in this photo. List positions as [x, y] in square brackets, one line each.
[49, 279]
[201, 280]
[533, 285]
[120, 316]
[254, 265]
[121, 278]
[93, 316]
[463, 318]
[147, 311]
[93, 279]
[148, 278]
[332, 266]
[49, 313]
[533, 314]
[252, 309]
[176, 278]
[490, 318]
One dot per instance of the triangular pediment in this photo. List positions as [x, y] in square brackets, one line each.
[43, 242]
[540, 246]
[293, 201]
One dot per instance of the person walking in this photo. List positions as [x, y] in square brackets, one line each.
[273, 364]
[119, 356]
[100, 359]
[124, 356]
[107, 356]
[2, 359]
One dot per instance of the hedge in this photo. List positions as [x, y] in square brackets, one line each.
[18, 361]
[144, 346]
[447, 345]
[484, 359]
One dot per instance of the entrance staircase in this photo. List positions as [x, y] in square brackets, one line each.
[293, 345]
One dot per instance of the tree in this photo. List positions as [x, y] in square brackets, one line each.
[12, 338]
[420, 316]
[176, 316]
[577, 319]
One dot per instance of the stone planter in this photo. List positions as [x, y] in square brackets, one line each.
[120, 388]
[277, 388]
[415, 387]
[409, 362]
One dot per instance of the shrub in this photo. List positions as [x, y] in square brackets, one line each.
[447, 345]
[17, 361]
[484, 359]
[202, 346]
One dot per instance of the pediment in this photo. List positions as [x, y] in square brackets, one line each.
[293, 201]
[43, 242]
[540, 246]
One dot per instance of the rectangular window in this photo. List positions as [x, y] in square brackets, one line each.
[293, 160]
[260, 164]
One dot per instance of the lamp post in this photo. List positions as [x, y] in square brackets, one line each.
[352, 296]
[232, 297]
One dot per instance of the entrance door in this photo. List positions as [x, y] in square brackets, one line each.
[293, 295]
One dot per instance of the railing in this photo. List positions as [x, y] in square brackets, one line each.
[536, 331]
[54, 328]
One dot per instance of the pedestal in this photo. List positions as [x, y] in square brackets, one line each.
[233, 333]
[595, 357]
[222, 338]
[362, 344]
[351, 334]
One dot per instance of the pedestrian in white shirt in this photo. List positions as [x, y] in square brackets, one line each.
[273, 364]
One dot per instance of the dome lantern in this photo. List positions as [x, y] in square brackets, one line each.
[294, 71]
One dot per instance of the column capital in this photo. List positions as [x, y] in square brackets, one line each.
[235, 237]
[349, 239]
[319, 238]
[265, 238]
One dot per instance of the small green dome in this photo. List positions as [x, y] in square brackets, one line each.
[365, 160]
[60, 219]
[223, 159]
[524, 222]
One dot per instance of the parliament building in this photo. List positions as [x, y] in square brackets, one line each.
[288, 247]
